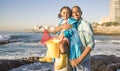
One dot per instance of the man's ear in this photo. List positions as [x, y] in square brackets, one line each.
[81, 12]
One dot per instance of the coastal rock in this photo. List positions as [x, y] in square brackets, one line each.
[98, 63]
[105, 63]
[4, 42]
[4, 39]
[6, 65]
[107, 30]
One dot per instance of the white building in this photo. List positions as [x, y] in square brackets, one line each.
[115, 10]
[114, 15]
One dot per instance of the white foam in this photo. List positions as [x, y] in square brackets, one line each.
[4, 38]
[106, 49]
[35, 67]
[107, 41]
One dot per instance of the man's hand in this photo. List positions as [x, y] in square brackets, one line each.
[78, 60]
[74, 62]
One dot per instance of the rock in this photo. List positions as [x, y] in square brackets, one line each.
[6, 65]
[107, 30]
[31, 59]
[4, 42]
[4, 39]
[105, 63]
[98, 63]
[113, 67]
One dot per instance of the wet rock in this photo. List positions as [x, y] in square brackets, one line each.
[113, 67]
[31, 59]
[98, 63]
[6, 65]
[3, 42]
[105, 63]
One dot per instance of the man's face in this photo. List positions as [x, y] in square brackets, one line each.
[76, 13]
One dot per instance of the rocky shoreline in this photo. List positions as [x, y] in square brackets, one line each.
[98, 30]
[6, 64]
[109, 30]
[98, 63]
[105, 63]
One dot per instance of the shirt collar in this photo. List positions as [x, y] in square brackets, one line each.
[79, 21]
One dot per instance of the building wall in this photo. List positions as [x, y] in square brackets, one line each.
[115, 10]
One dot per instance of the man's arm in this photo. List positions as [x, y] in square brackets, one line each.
[76, 61]
[89, 41]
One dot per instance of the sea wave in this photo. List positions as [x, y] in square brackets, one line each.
[36, 67]
[4, 38]
[25, 38]
[108, 41]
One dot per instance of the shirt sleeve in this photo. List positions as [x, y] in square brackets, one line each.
[89, 40]
[89, 37]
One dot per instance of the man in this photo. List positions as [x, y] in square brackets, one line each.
[86, 35]
[82, 63]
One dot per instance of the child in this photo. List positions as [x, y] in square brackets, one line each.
[65, 35]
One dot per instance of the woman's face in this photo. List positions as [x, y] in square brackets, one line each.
[65, 13]
[76, 13]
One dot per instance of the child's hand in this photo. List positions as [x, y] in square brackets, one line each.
[66, 26]
[53, 31]
[60, 37]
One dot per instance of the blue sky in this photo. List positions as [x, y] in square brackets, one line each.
[24, 14]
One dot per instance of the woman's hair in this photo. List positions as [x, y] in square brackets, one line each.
[77, 8]
[59, 14]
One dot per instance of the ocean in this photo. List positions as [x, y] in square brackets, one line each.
[26, 44]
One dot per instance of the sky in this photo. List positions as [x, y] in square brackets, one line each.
[24, 14]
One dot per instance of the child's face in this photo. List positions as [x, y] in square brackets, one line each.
[65, 13]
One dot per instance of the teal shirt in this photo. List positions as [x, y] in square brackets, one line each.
[85, 32]
[75, 43]
[68, 33]
[86, 35]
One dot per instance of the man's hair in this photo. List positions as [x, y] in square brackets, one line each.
[77, 8]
